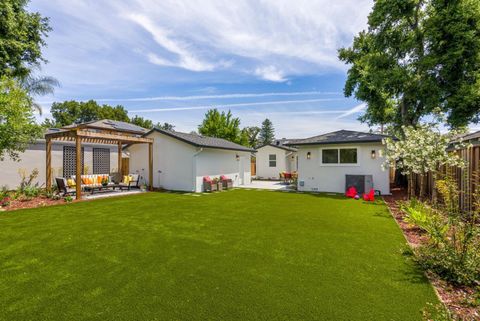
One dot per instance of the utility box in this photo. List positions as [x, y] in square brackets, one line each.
[363, 183]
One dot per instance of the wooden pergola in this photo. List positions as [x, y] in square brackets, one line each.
[95, 134]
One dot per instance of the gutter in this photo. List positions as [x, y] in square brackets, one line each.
[194, 168]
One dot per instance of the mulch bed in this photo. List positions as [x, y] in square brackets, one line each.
[35, 202]
[456, 298]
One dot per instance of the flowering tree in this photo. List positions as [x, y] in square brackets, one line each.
[421, 150]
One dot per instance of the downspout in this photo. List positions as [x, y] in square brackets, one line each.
[194, 169]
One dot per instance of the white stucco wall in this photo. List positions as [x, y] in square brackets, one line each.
[263, 165]
[216, 162]
[35, 157]
[331, 177]
[173, 165]
[180, 166]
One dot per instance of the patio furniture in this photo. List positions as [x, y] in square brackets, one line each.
[63, 187]
[130, 181]
[351, 192]
[227, 183]
[209, 185]
[99, 188]
[370, 197]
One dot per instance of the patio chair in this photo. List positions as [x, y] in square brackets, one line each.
[370, 197]
[226, 182]
[209, 185]
[63, 187]
[133, 181]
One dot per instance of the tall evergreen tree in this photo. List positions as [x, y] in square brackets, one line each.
[417, 57]
[267, 133]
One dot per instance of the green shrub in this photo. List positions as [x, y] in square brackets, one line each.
[68, 199]
[454, 236]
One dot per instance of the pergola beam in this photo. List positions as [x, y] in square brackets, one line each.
[78, 173]
[48, 146]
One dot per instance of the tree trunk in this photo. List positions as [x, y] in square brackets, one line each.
[422, 186]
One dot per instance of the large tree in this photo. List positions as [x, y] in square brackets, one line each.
[222, 125]
[74, 112]
[22, 36]
[415, 57]
[252, 135]
[17, 122]
[267, 133]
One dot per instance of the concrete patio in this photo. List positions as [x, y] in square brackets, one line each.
[270, 185]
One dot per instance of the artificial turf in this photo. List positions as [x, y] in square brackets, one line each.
[236, 255]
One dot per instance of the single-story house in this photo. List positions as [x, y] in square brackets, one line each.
[182, 160]
[272, 159]
[96, 158]
[330, 162]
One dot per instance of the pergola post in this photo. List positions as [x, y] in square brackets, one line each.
[48, 169]
[150, 166]
[78, 174]
[120, 159]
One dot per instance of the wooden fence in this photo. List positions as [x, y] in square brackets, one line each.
[467, 178]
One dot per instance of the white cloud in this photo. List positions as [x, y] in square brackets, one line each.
[354, 110]
[222, 106]
[270, 73]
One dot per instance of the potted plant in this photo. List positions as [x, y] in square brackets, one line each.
[219, 183]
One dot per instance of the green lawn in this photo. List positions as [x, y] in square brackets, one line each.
[237, 255]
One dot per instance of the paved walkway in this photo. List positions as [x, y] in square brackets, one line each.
[110, 193]
[272, 185]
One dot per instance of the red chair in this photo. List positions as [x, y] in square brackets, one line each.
[351, 192]
[370, 197]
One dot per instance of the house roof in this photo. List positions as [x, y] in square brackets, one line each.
[284, 147]
[340, 137]
[471, 136]
[108, 124]
[203, 141]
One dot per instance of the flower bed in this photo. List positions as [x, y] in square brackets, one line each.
[458, 299]
[39, 201]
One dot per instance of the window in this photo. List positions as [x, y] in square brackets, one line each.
[101, 161]
[272, 160]
[339, 156]
[348, 156]
[329, 156]
[70, 161]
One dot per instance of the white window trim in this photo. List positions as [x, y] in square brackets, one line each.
[357, 164]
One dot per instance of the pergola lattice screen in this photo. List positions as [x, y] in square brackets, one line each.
[69, 161]
[101, 161]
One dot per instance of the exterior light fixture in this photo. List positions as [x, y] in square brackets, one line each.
[309, 155]
[374, 154]
[237, 157]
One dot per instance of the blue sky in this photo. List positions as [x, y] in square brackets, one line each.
[171, 60]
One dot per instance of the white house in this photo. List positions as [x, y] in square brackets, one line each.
[330, 162]
[272, 159]
[182, 160]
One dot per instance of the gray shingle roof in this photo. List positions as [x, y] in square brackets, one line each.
[203, 141]
[284, 147]
[111, 124]
[340, 137]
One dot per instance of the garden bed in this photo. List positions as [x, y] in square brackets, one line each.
[39, 201]
[458, 299]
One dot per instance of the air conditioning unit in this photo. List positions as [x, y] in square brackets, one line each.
[363, 183]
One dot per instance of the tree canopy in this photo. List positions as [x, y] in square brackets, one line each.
[22, 35]
[223, 125]
[74, 112]
[267, 133]
[17, 122]
[417, 56]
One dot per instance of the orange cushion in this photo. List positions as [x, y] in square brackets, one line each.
[85, 180]
[99, 179]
